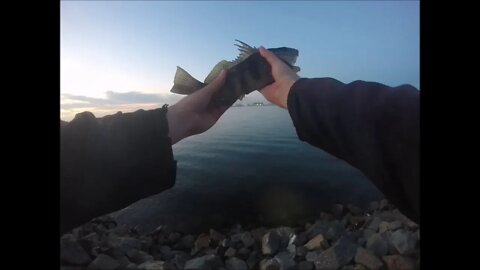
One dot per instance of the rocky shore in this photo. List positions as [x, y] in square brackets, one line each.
[346, 237]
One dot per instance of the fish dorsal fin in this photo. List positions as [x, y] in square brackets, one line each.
[245, 51]
[224, 64]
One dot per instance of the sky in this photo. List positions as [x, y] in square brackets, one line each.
[122, 55]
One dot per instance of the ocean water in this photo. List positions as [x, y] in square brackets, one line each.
[250, 168]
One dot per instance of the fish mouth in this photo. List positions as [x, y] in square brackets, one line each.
[289, 55]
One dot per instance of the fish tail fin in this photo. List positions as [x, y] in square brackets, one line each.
[184, 83]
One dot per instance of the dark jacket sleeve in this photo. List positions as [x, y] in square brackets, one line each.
[373, 127]
[108, 163]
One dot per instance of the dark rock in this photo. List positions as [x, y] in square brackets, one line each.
[377, 245]
[253, 259]
[304, 265]
[202, 242]
[403, 241]
[356, 211]
[180, 258]
[373, 206]
[313, 255]
[243, 253]
[156, 265]
[186, 243]
[174, 237]
[367, 258]
[138, 256]
[301, 239]
[337, 210]
[319, 227]
[285, 260]
[124, 243]
[71, 268]
[302, 251]
[235, 263]
[247, 239]
[270, 243]
[258, 233]
[269, 264]
[72, 252]
[230, 252]
[103, 262]
[207, 262]
[383, 204]
[398, 262]
[326, 216]
[340, 254]
[335, 231]
[318, 242]
[215, 236]
[166, 253]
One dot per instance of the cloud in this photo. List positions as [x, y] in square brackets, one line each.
[114, 101]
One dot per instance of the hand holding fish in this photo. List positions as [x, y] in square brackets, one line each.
[284, 77]
[194, 114]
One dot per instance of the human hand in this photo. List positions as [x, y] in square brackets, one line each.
[284, 76]
[194, 114]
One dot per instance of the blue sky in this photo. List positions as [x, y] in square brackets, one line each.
[123, 55]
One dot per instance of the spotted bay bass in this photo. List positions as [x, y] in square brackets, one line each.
[248, 72]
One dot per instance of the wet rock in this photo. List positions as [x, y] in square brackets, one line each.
[319, 227]
[398, 262]
[304, 265]
[269, 264]
[377, 245]
[156, 265]
[403, 241]
[230, 252]
[340, 254]
[285, 260]
[270, 243]
[367, 258]
[318, 242]
[235, 263]
[337, 210]
[138, 257]
[103, 262]
[72, 252]
[247, 239]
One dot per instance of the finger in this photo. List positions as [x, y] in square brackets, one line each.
[216, 84]
[269, 56]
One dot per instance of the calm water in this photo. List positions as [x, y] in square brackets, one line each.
[250, 167]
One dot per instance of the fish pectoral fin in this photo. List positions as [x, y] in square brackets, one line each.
[184, 83]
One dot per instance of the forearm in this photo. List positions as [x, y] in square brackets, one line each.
[111, 162]
[372, 126]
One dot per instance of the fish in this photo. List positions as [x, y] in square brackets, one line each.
[248, 72]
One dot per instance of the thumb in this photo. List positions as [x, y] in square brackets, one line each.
[216, 84]
[271, 58]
